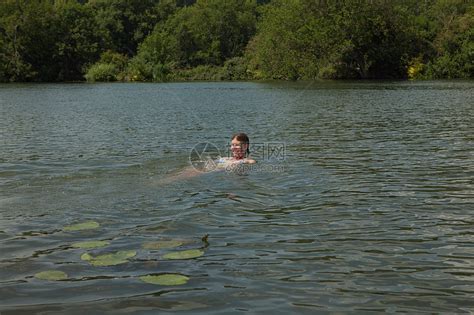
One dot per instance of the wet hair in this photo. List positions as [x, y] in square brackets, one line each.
[242, 137]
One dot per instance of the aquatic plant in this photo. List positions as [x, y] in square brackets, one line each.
[51, 275]
[185, 254]
[90, 244]
[162, 244]
[165, 279]
[110, 259]
[88, 225]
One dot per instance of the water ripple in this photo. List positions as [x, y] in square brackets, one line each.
[370, 209]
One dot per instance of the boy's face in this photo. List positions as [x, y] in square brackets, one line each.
[238, 148]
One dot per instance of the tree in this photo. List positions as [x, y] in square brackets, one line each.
[77, 43]
[24, 29]
[47, 41]
[453, 41]
[124, 24]
[209, 32]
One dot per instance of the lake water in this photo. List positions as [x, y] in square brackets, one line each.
[362, 198]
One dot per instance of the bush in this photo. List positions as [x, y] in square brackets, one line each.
[199, 73]
[139, 70]
[119, 60]
[236, 69]
[415, 69]
[450, 67]
[104, 72]
[110, 67]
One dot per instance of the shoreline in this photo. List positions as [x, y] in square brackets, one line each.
[243, 81]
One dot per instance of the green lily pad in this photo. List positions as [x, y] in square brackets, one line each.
[166, 279]
[91, 244]
[162, 244]
[51, 275]
[86, 257]
[111, 259]
[185, 254]
[82, 226]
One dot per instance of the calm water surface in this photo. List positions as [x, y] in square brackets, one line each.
[367, 207]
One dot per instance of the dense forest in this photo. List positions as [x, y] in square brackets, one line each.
[173, 40]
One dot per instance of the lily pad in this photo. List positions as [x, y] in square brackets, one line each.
[82, 226]
[86, 257]
[185, 254]
[162, 244]
[51, 275]
[111, 259]
[166, 279]
[91, 244]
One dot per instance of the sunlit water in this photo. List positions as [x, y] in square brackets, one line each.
[366, 204]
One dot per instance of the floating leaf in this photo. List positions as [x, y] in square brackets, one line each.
[91, 244]
[82, 226]
[86, 257]
[51, 275]
[107, 262]
[166, 279]
[111, 259]
[162, 244]
[34, 233]
[185, 254]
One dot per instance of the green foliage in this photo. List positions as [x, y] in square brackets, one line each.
[90, 244]
[165, 279]
[139, 69]
[78, 42]
[352, 39]
[102, 72]
[454, 41]
[199, 73]
[162, 40]
[185, 254]
[24, 28]
[378, 40]
[110, 67]
[236, 68]
[111, 259]
[47, 42]
[155, 57]
[276, 50]
[207, 33]
[123, 24]
[51, 275]
[415, 69]
[119, 60]
[162, 244]
[88, 225]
